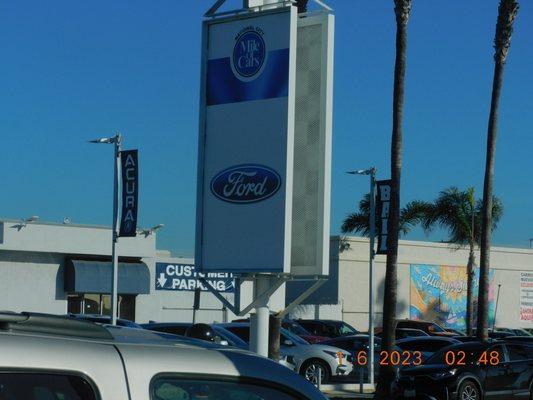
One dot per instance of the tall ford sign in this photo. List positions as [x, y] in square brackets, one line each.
[251, 210]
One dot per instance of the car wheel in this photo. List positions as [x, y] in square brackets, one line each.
[312, 369]
[468, 390]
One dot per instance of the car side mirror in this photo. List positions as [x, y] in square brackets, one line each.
[288, 342]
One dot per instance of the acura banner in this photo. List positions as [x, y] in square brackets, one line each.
[130, 193]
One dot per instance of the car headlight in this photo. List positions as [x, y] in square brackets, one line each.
[444, 374]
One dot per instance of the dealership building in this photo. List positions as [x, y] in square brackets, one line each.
[61, 268]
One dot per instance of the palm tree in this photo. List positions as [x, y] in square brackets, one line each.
[402, 9]
[458, 212]
[507, 11]
[412, 214]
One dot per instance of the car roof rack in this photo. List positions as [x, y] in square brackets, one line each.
[26, 322]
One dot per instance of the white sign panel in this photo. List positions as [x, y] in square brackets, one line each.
[244, 203]
[526, 296]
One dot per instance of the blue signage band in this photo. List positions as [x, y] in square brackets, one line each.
[224, 87]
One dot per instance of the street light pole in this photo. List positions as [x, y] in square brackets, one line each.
[114, 254]
[116, 140]
[372, 233]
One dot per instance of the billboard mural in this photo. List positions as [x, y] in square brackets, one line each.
[438, 293]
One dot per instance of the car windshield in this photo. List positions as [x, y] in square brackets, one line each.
[292, 337]
[230, 337]
[436, 328]
[345, 329]
[295, 328]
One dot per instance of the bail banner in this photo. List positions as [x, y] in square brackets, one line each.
[130, 193]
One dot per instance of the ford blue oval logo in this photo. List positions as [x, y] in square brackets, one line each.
[247, 183]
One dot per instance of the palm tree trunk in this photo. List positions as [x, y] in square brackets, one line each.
[486, 213]
[502, 41]
[386, 375]
[470, 291]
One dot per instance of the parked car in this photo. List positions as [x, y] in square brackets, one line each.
[472, 371]
[520, 339]
[402, 333]
[514, 331]
[355, 344]
[310, 361]
[223, 336]
[456, 332]
[426, 345]
[297, 329]
[105, 319]
[496, 334]
[294, 327]
[431, 328]
[52, 357]
[327, 327]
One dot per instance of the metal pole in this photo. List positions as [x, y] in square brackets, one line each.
[114, 254]
[496, 307]
[260, 321]
[371, 276]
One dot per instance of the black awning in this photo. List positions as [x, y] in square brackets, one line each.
[86, 276]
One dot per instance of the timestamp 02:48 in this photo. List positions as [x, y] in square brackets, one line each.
[460, 358]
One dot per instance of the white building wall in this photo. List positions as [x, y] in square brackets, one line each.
[32, 282]
[353, 278]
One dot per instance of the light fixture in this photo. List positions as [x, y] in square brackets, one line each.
[25, 221]
[149, 231]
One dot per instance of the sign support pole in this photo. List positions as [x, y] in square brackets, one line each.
[371, 276]
[260, 321]
[114, 254]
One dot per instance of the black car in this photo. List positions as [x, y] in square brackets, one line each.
[402, 333]
[427, 345]
[473, 371]
[327, 327]
[223, 336]
[520, 339]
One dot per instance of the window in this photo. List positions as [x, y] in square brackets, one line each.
[346, 329]
[38, 386]
[519, 353]
[100, 304]
[186, 389]
[241, 331]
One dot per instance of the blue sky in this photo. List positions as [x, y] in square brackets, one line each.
[74, 70]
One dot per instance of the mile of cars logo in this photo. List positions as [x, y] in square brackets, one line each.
[249, 53]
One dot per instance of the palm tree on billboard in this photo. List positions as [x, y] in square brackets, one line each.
[507, 11]
[459, 213]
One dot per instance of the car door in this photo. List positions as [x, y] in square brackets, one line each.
[521, 369]
[498, 379]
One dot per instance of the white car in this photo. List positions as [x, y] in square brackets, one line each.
[52, 357]
[314, 362]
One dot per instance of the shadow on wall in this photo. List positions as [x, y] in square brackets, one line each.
[402, 305]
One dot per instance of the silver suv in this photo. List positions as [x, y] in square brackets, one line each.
[49, 358]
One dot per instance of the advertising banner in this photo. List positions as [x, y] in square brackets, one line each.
[130, 193]
[526, 296]
[246, 140]
[438, 293]
[184, 277]
[382, 214]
